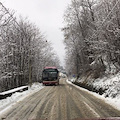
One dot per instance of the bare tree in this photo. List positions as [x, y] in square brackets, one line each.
[24, 51]
[91, 34]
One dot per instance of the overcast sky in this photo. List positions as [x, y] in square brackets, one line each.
[47, 14]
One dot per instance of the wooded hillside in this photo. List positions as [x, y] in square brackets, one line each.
[92, 36]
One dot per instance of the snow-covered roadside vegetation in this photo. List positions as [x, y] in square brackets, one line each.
[111, 85]
[7, 103]
[108, 88]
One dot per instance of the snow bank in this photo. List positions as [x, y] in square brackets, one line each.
[111, 87]
[110, 84]
[7, 103]
[72, 79]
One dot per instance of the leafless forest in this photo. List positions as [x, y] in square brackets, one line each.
[92, 37]
[24, 51]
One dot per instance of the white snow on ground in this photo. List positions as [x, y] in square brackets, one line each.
[7, 103]
[111, 84]
[72, 79]
[115, 102]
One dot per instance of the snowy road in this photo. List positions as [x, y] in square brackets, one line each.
[63, 102]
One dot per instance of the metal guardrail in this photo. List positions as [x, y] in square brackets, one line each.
[6, 94]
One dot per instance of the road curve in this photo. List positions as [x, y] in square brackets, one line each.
[63, 102]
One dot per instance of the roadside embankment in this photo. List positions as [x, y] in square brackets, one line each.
[107, 86]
